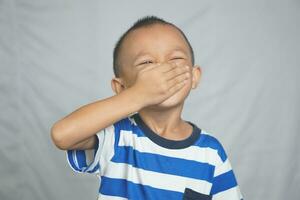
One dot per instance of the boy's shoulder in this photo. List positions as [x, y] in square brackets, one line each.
[209, 140]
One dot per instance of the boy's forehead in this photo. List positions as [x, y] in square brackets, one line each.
[152, 36]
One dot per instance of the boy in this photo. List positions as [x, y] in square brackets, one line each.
[136, 141]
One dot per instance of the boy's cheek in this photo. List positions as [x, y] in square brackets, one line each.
[130, 79]
[128, 85]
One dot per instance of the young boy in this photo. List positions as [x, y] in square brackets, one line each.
[136, 141]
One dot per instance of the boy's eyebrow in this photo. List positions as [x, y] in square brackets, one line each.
[180, 49]
[142, 53]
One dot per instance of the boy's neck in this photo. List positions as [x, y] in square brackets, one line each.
[166, 122]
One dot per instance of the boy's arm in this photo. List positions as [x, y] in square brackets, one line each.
[77, 130]
[154, 84]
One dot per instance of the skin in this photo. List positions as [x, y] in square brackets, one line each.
[159, 44]
[156, 77]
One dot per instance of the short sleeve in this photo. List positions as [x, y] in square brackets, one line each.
[87, 161]
[224, 184]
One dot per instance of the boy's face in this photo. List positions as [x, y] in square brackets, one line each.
[156, 44]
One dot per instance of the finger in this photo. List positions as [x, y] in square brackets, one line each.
[149, 67]
[169, 67]
[178, 79]
[175, 88]
[176, 72]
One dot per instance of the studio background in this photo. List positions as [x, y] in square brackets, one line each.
[56, 56]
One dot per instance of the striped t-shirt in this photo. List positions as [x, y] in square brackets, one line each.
[133, 162]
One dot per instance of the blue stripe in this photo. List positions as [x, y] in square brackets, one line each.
[81, 158]
[94, 169]
[117, 136]
[133, 191]
[137, 131]
[223, 182]
[164, 164]
[71, 161]
[125, 124]
[211, 142]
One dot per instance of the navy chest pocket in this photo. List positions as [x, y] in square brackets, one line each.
[190, 194]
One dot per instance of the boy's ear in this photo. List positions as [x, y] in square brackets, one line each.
[197, 72]
[117, 85]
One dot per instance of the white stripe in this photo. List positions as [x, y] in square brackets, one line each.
[195, 153]
[94, 160]
[106, 197]
[107, 151]
[74, 157]
[225, 167]
[155, 179]
[232, 194]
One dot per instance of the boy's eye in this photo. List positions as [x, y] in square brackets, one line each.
[146, 62]
[177, 58]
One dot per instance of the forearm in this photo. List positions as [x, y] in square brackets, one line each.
[86, 121]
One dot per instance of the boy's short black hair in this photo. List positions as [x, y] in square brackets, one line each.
[143, 22]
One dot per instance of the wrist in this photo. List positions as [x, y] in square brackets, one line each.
[134, 98]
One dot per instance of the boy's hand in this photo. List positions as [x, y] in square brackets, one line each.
[154, 84]
[157, 82]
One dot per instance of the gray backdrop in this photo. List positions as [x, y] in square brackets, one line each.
[56, 56]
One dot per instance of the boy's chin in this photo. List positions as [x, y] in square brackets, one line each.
[168, 104]
[173, 101]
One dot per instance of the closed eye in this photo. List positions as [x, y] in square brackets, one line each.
[177, 58]
[146, 62]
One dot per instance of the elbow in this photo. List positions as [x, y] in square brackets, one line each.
[58, 138]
